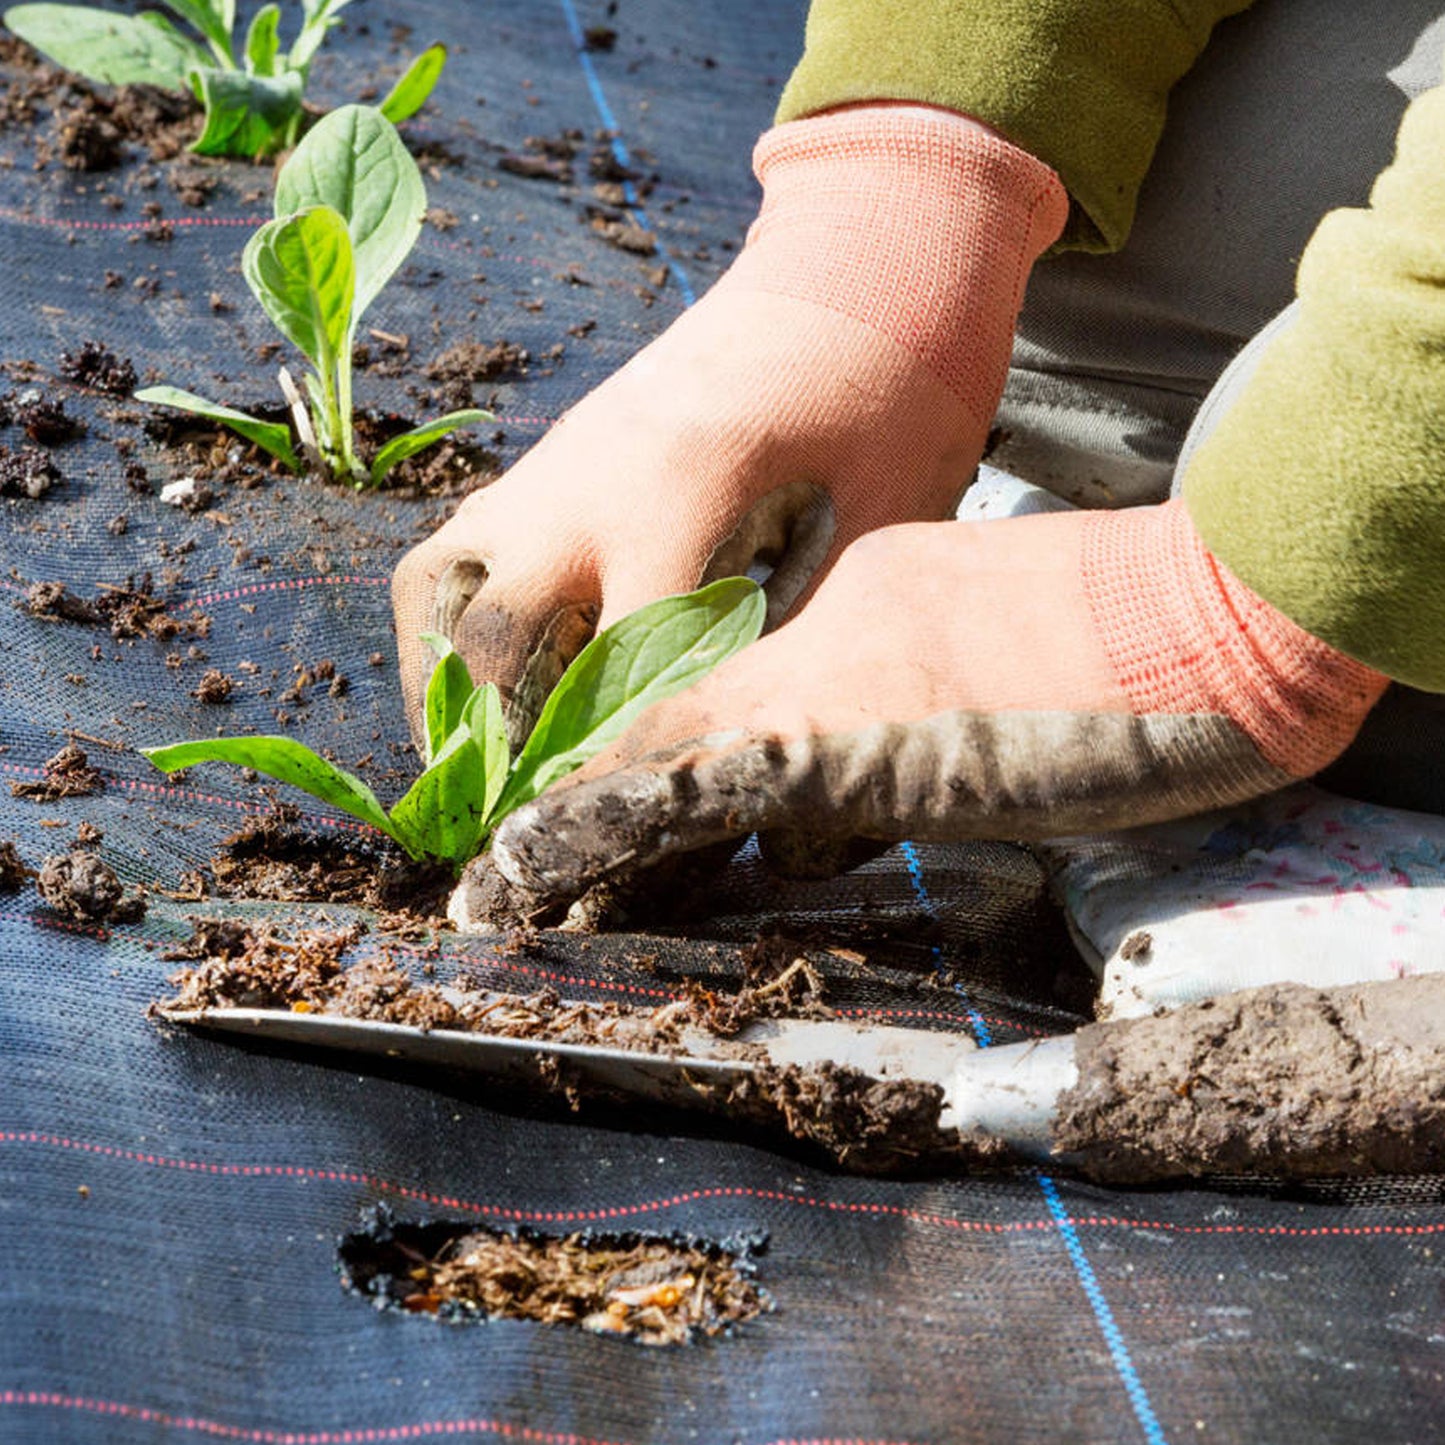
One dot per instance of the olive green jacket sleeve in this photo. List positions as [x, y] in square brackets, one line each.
[1081, 84]
[1323, 484]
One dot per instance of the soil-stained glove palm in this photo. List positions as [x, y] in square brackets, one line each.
[1028, 678]
[840, 377]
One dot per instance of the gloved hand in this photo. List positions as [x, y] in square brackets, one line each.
[1026, 678]
[841, 376]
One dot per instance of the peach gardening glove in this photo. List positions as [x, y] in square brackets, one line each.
[1029, 678]
[840, 377]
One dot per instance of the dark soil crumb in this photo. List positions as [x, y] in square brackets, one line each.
[649, 1289]
[13, 870]
[27, 472]
[91, 130]
[67, 775]
[193, 184]
[622, 232]
[463, 366]
[214, 686]
[98, 367]
[82, 888]
[599, 37]
[46, 421]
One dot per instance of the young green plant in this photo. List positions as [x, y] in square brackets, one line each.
[349, 205]
[254, 105]
[471, 781]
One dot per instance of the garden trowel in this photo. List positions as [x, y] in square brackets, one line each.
[1283, 1080]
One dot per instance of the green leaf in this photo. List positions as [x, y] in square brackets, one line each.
[271, 436]
[111, 49]
[399, 448]
[263, 44]
[442, 813]
[410, 93]
[287, 761]
[483, 718]
[319, 16]
[447, 693]
[215, 19]
[354, 161]
[247, 115]
[649, 655]
[301, 270]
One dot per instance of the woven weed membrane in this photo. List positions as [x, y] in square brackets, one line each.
[170, 1204]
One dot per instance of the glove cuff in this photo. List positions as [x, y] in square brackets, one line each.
[1186, 636]
[917, 222]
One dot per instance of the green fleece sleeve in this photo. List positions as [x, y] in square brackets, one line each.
[1081, 84]
[1323, 485]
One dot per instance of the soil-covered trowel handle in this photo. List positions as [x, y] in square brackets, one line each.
[1280, 1081]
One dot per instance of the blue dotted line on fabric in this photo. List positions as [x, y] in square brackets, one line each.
[620, 153]
[1113, 1336]
[982, 1035]
[1088, 1280]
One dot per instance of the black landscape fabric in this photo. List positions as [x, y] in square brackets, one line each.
[171, 1204]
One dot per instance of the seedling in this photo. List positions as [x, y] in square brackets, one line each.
[471, 781]
[349, 206]
[252, 108]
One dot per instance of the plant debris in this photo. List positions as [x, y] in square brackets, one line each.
[46, 421]
[66, 775]
[648, 1289]
[132, 610]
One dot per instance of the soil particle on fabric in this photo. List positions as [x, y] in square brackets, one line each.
[622, 232]
[46, 421]
[1285, 1080]
[67, 774]
[27, 472]
[13, 870]
[215, 686]
[868, 1125]
[81, 888]
[652, 1290]
[97, 367]
[459, 368]
[132, 610]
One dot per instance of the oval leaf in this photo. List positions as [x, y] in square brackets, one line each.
[301, 271]
[484, 720]
[263, 44]
[410, 93]
[649, 655]
[442, 815]
[318, 16]
[287, 761]
[447, 692]
[215, 19]
[247, 115]
[354, 161]
[399, 448]
[111, 49]
[271, 436]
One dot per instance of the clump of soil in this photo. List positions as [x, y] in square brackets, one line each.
[649, 1289]
[98, 367]
[66, 775]
[46, 421]
[27, 472]
[215, 686]
[82, 888]
[622, 232]
[13, 869]
[867, 1124]
[459, 368]
[132, 610]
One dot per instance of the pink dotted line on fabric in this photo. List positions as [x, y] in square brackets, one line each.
[354, 1435]
[717, 1192]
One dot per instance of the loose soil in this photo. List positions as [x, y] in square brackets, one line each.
[649, 1289]
[27, 472]
[66, 775]
[132, 610]
[14, 873]
[1285, 1080]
